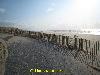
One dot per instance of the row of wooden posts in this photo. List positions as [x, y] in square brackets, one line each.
[90, 48]
[77, 43]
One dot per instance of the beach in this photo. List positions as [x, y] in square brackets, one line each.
[26, 53]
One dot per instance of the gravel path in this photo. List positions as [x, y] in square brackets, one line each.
[26, 54]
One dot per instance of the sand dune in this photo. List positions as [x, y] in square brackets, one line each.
[26, 54]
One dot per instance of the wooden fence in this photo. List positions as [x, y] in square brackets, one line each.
[86, 51]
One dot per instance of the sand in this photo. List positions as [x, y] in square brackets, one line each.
[25, 54]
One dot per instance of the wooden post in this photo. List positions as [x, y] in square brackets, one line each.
[90, 53]
[86, 45]
[49, 35]
[58, 39]
[75, 44]
[92, 56]
[98, 45]
[36, 35]
[94, 50]
[28, 33]
[89, 43]
[50, 38]
[67, 40]
[93, 47]
[44, 36]
[81, 44]
[63, 40]
[54, 38]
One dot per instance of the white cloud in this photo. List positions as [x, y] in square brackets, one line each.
[50, 9]
[53, 4]
[2, 10]
[82, 12]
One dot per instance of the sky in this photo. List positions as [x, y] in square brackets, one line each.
[51, 14]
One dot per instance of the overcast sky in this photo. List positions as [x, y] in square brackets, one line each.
[51, 14]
